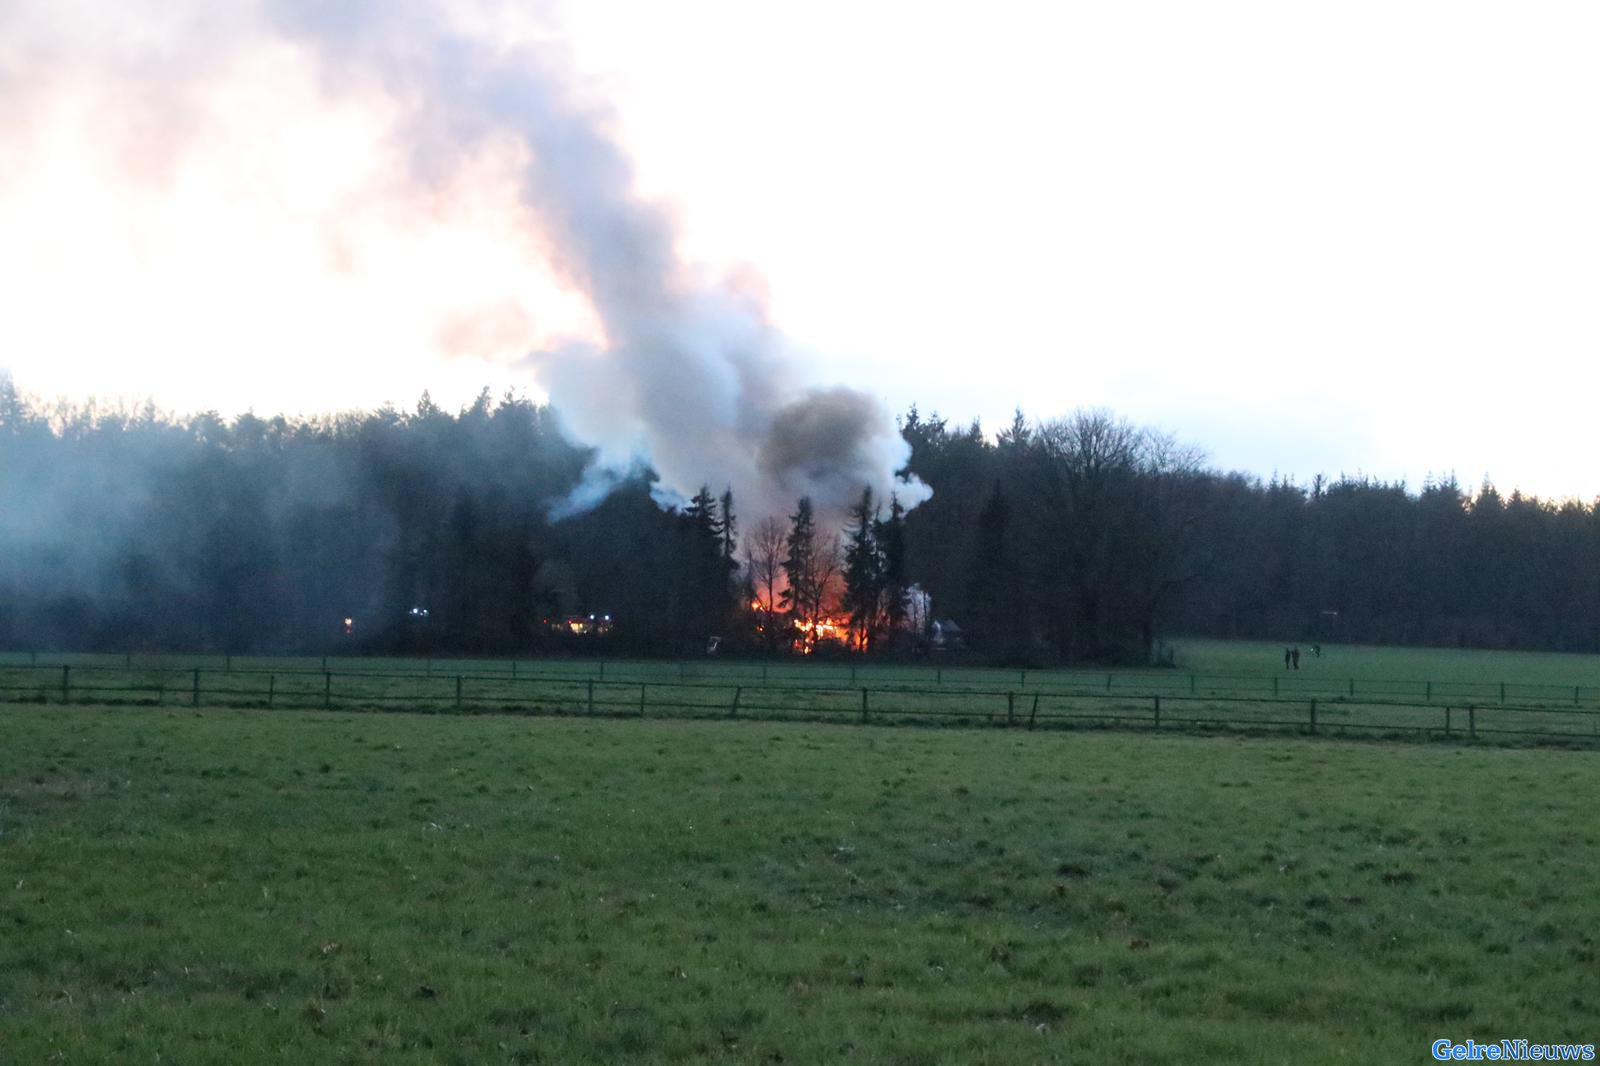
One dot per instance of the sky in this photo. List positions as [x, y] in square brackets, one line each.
[1338, 238]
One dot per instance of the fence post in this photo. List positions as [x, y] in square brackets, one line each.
[863, 706]
[1472, 722]
[513, 669]
[458, 692]
[602, 669]
[272, 684]
[1108, 682]
[327, 691]
[1574, 695]
[127, 661]
[1191, 684]
[1158, 710]
[66, 684]
[1274, 684]
[591, 695]
[733, 712]
[227, 664]
[1427, 691]
[1011, 707]
[641, 699]
[1447, 721]
[1352, 688]
[1502, 693]
[1035, 712]
[1313, 716]
[194, 699]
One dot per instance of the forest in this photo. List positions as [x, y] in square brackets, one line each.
[1082, 538]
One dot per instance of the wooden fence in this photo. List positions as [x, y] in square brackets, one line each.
[1303, 685]
[1016, 706]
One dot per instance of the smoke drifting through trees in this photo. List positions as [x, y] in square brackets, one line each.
[691, 376]
[1074, 540]
[682, 369]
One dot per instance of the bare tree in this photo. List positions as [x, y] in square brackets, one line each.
[1116, 504]
[763, 563]
[827, 578]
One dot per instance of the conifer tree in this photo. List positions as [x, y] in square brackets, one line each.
[863, 572]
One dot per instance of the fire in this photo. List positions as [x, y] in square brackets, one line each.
[808, 633]
[812, 632]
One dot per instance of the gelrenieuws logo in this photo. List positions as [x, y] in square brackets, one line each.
[1512, 1051]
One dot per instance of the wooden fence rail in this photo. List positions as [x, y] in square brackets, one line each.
[462, 693]
[1304, 685]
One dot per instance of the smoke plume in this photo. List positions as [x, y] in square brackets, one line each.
[685, 371]
[690, 374]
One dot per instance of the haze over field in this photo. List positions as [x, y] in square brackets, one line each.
[1309, 241]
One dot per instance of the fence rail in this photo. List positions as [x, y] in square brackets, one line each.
[1018, 705]
[1301, 685]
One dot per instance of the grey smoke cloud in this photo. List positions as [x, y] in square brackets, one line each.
[688, 374]
[829, 444]
[691, 375]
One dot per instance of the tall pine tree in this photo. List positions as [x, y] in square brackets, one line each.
[896, 581]
[801, 598]
[863, 572]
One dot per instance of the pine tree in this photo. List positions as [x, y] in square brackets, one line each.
[896, 583]
[702, 511]
[800, 566]
[993, 592]
[728, 528]
[707, 587]
[863, 571]
[14, 412]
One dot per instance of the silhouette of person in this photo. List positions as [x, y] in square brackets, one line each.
[1287, 656]
[1295, 656]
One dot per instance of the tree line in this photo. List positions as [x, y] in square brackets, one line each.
[1069, 540]
[1082, 538]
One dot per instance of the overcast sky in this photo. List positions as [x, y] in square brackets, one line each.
[1306, 237]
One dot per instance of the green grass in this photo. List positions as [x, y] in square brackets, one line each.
[247, 887]
[1222, 685]
[1367, 665]
[1366, 662]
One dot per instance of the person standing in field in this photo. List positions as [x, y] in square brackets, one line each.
[1295, 656]
[1287, 656]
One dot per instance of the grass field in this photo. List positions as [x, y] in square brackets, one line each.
[1221, 659]
[183, 886]
[1349, 691]
[1366, 662]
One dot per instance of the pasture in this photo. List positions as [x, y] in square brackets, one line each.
[1217, 686]
[185, 885]
[1555, 670]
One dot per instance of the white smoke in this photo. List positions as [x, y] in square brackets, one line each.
[688, 374]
